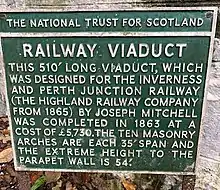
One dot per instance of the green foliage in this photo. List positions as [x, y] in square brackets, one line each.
[39, 182]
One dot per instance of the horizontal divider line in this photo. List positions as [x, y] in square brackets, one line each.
[102, 34]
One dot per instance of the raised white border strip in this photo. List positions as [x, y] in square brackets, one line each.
[104, 34]
[110, 9]
[103, 171]
[115, 34]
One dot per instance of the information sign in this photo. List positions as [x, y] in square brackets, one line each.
[107, 90]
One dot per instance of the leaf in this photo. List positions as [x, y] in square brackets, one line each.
[40, 181]
[59, 183]
[85, 177]
[56, 188]
[69, 186]
[128, 185]
[52, 176]
[6, 132]
[34, 176]
[6, 155]
[5, 139]
[10, 170]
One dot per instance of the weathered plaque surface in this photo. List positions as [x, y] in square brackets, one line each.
[107, 90]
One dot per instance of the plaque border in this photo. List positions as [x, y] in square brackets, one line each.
[106, 34]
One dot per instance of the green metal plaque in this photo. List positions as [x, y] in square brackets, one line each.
[107, 91]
